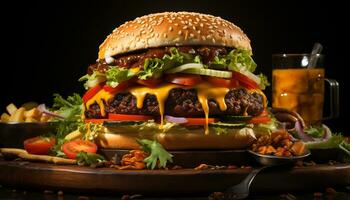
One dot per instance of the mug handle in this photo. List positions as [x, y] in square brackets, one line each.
[334, 98]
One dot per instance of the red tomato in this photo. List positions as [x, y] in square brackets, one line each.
[121, 86]
[244, 80]
[260, 120]
[39, 145]
[221, 82]
[183, 79]
[73, 148]
[91, 93]
[199, 121]
[95, 121]
[152, 83]
[124, 117]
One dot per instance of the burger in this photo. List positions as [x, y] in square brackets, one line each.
[184, 79]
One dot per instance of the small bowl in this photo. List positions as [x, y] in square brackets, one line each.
[13, 134]
[271, 160]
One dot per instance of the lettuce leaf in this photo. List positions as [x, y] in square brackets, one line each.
[336, 141]
[91, 80]
[263, 81]
[237, 60]
[116, 75]
[157, 154]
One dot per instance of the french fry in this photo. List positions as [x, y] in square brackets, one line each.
[30, 119]
[5, 117]
[11, 109]
[18, 116]
[32, 113]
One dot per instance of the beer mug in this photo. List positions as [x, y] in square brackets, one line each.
[299, 87]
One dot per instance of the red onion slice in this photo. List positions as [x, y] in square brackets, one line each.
[178, 120]
[42, 109]
[301, 134]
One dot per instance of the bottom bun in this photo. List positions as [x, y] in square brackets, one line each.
[177, 141]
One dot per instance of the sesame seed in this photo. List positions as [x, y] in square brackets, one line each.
[180, 32]
[203, 37]
[213, 40]
[165, 35]
[170, 28]
[211, 31]
[191, 35]
[182, 22]
[170, 21]
[185, 27]
[176, 24]
[201, 25]
[194, 28]
[199, 31]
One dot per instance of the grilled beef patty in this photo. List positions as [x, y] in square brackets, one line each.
[182, 103]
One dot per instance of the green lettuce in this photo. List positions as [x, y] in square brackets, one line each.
[236, 60]
[116, 75]
[154, 67]
[263, 81]
[157, 153]
[93, 79]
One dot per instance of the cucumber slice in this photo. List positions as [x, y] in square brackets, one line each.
[209, 72]
[229, 118]
[185, 67]
[121, 123]
[227, 125]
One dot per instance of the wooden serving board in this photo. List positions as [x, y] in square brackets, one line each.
[21, 174]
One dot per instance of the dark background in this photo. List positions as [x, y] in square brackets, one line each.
[48, 46]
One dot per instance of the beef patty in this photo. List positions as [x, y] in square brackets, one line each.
[182, 103]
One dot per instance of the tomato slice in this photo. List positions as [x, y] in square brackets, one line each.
[260, 120]
[121, 86]
[124, 117]
[95, 121]
[39, 145]
[199, 121]
[221, 82]
[91, 93]
[183, 79]
[73, 148]
[244, 81]
[151, 83]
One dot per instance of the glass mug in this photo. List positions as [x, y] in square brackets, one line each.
[300, 88]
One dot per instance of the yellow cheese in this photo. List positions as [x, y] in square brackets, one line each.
[99, 97]
[160, 92]
[205, 92]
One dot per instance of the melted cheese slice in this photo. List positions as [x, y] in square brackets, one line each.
[99, 97]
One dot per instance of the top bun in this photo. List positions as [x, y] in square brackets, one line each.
[173, 29]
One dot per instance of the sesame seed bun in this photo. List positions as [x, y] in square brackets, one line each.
[173, 29]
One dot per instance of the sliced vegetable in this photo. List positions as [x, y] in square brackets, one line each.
[185, 67]
[151, 82]
[93, 80]
[221, 82]
[234, 118]
[39, 145]
[121, 86]
[73, 148]
[178, 120]
[199, 121]
[259, 120]
[124, 117]
[95, 121]
[245, 81]
[209, 72]
[91, 93]
[183, 79]
[121, 123]
[42, 108]
[227, 125]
